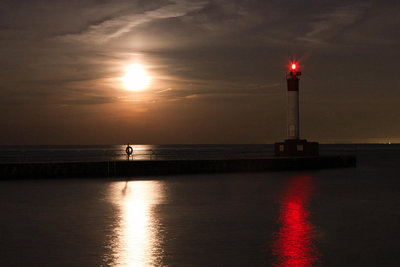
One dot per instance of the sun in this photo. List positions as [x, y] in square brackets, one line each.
[136, 78]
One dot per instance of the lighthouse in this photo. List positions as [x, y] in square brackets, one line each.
[293, 145]
[293, 123]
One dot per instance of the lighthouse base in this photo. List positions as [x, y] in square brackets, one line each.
[296, 147]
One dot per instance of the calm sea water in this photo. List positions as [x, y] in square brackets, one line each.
[140, 152]
[342, 217]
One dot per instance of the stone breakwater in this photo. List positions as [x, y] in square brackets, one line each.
[137, 168]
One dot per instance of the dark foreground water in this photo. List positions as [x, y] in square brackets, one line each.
[343, 217]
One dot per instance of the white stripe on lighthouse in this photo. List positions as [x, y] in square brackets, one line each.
[293, 126]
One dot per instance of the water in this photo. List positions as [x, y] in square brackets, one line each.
[19, 154]
[343, 217]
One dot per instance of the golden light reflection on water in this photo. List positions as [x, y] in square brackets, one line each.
[136, 240]
[140, 152]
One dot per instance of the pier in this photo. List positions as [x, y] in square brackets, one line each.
[140, 168]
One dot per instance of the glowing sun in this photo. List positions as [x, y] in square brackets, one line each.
[136, 78]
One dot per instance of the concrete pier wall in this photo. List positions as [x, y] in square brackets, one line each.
[11, 171]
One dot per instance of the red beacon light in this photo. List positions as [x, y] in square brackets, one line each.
[293, 69]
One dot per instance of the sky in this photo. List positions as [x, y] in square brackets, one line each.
[216, 68]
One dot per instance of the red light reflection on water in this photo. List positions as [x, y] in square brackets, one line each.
[294, 243]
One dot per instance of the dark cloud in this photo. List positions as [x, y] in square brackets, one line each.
[118, 25]
[89, 100]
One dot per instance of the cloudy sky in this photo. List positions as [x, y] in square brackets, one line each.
[217, 70]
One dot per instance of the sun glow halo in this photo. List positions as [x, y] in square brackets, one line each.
[136, 78]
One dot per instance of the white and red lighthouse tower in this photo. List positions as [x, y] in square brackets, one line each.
[293, 123]
[293, 145]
